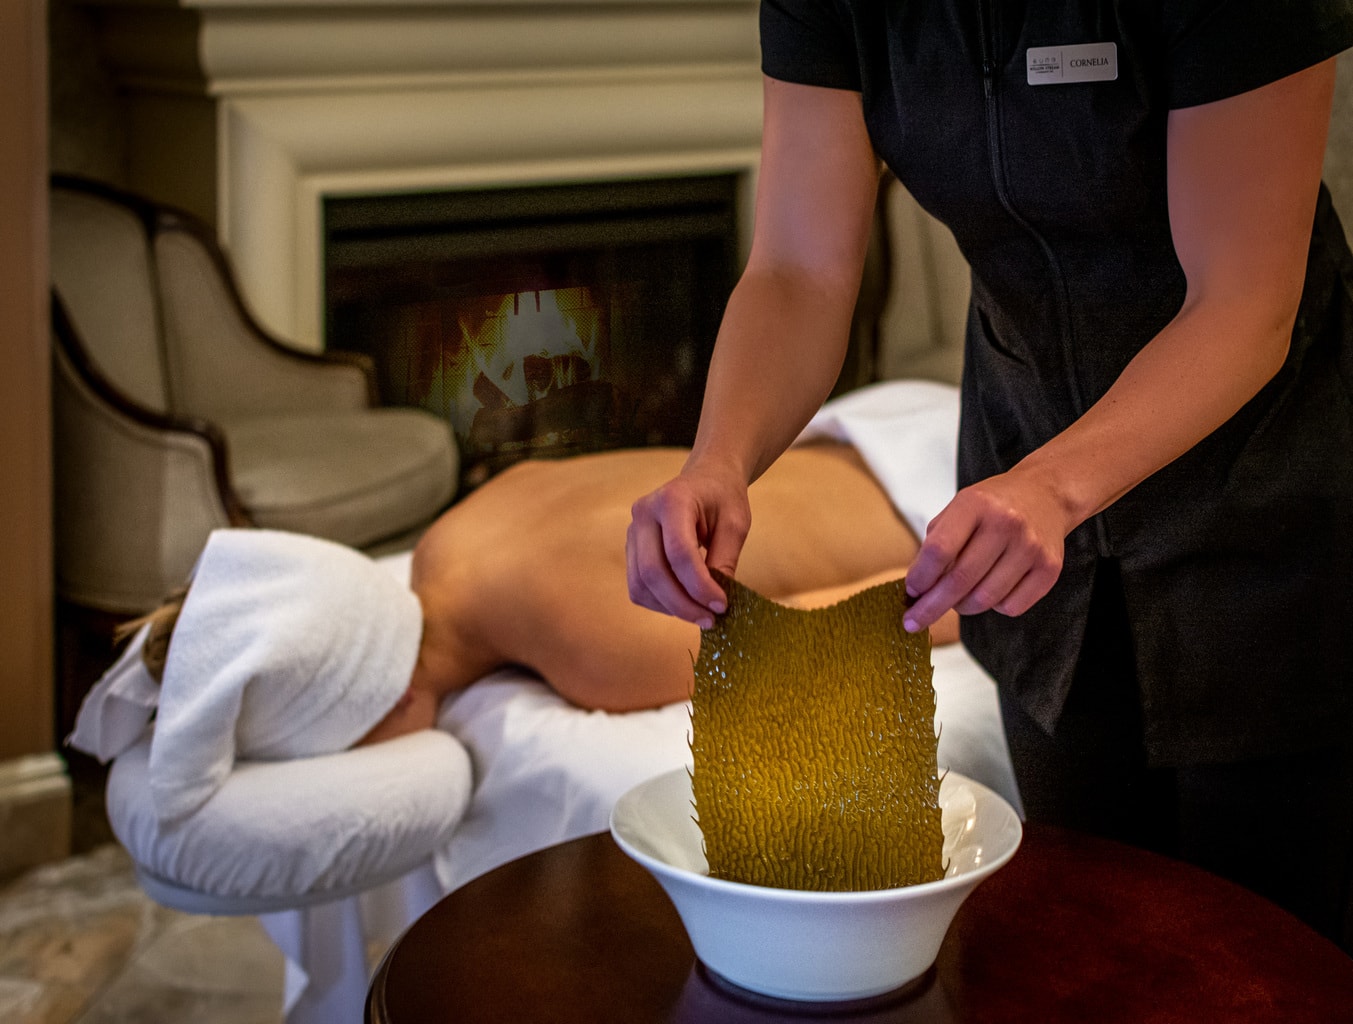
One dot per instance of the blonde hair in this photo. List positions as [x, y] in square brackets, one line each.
[161, 621]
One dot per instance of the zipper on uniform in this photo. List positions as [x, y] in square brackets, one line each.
[986, 45]
[987, 48]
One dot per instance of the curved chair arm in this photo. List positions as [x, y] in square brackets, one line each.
[204, 302]
[136, 492]
[222, 363]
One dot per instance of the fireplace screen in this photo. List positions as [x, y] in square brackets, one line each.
[539, 322]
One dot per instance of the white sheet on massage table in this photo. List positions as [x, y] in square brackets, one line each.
[546, 771]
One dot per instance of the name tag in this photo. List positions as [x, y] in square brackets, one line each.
[1080, 62]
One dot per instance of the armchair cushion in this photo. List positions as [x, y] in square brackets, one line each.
[354, 477]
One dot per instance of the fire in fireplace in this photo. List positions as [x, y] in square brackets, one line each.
[539, 321]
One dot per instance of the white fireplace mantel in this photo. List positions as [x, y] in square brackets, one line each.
[251, 112]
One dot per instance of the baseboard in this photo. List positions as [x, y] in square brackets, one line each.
[35, 812]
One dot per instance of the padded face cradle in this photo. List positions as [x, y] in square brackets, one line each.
[280, 834]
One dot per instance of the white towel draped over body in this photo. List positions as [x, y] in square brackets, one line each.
[907, 434]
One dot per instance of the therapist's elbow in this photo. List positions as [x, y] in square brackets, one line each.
[1260, 319]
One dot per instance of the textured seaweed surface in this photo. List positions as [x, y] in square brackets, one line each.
[814, 745]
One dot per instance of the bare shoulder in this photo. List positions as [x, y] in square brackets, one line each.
[598, 476]
[539, 505]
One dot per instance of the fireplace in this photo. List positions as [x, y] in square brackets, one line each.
[359, 159]
[254, 114]
[542, 321]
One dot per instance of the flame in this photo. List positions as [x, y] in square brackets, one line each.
[513, 349]
[499, 351]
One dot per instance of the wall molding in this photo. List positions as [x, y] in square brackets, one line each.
[253, 112]
[35, 811]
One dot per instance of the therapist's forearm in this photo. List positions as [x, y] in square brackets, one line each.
[780, 349]
[1187, 382]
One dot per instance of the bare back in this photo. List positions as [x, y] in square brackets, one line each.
[530, 569]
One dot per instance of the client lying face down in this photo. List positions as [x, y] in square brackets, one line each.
[297, 646]
[530, 570]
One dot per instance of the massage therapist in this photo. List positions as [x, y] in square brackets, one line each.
[1152, 544]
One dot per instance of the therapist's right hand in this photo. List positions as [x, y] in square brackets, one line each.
[693, 523]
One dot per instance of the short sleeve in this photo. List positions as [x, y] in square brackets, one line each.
[1220, 48]
[808, 42]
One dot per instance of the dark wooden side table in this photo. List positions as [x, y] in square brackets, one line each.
[1073, 929]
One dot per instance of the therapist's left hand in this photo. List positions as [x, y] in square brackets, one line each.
[997, 545]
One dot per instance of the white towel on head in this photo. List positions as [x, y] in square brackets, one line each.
[907, 433]
[116, 711]
[287, 646]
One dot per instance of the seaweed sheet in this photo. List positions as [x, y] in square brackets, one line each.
[814, 744]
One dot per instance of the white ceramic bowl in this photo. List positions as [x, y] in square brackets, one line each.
[820, 946]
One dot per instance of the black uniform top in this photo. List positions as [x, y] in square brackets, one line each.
[1236, 559]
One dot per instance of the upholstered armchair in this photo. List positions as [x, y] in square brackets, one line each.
[176, 413]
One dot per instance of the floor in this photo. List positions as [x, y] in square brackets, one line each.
[81, 944]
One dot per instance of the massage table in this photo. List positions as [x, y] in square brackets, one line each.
[338, 854]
